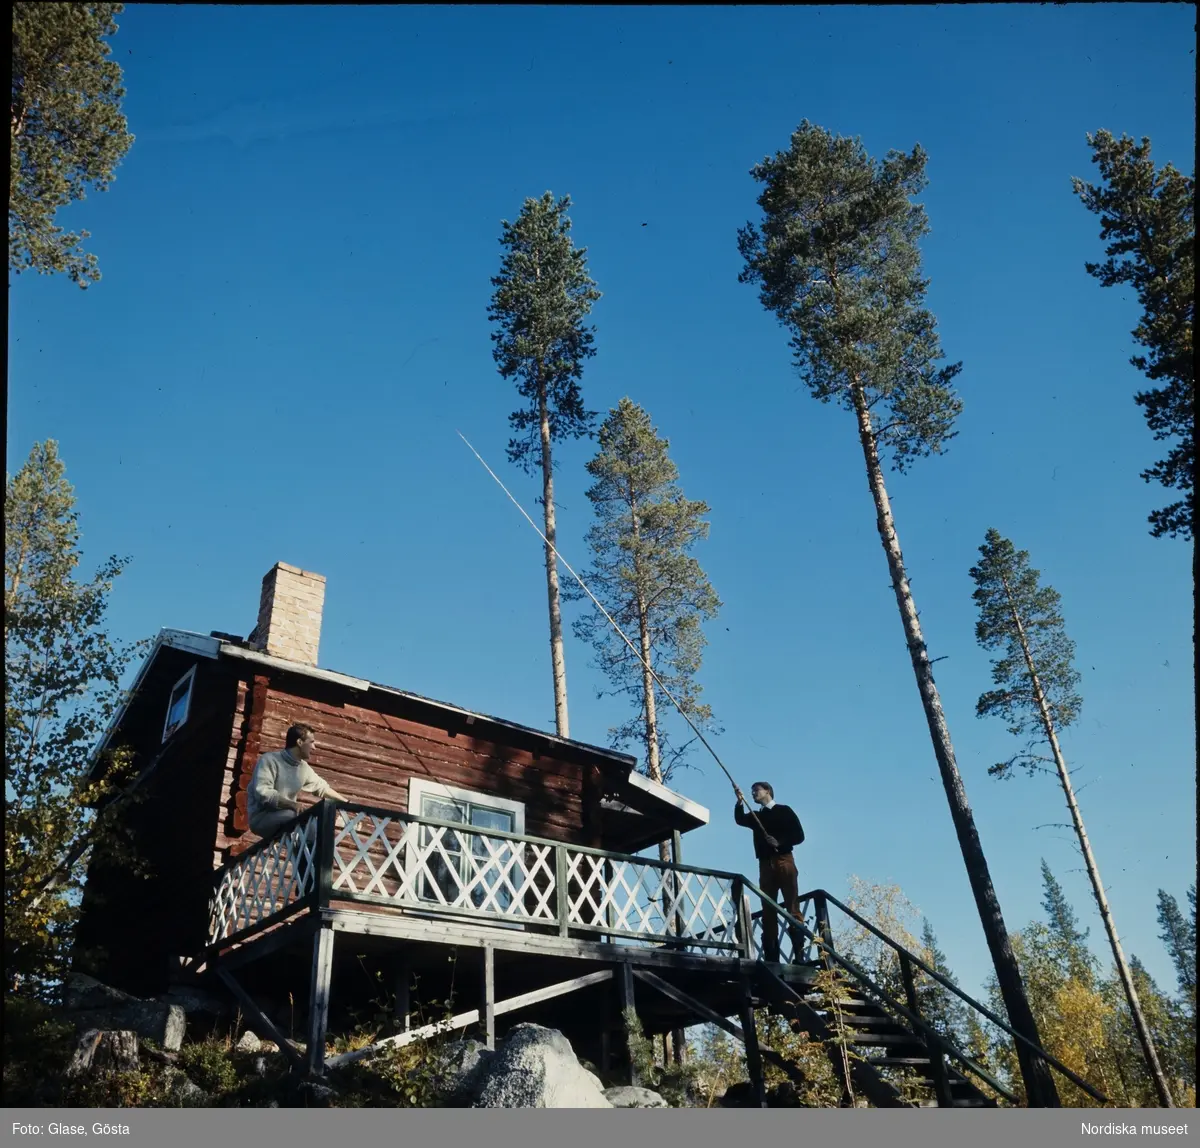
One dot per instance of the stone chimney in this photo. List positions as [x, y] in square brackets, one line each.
[289, 614]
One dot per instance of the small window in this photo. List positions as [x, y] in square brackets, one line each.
[180, 703]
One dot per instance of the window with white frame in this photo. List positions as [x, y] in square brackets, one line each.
[458, 861]
[179, 703]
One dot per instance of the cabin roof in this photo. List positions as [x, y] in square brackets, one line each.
[217, 645]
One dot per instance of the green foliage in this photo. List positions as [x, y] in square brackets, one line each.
[717, 1062]
[645, 575]
[209, 1064]
[1068, 943]
[62, 673]
[1179, 935]
[675, 1083]
[37, 1048]
[836, 260]
[1084, 1019]
[1147, 220]
[543, 295]
[946, 1012]
[67, 129]
[1015, 612]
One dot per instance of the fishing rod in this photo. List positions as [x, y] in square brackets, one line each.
[636, 652]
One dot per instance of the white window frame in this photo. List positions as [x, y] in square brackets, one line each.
[190, 679]
[419, 788]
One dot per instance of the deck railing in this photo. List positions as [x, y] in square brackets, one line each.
[346, 851]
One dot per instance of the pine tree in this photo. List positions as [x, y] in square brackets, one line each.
[1037, 681]
[1179, 936]
[62, 673]
[67, 129]
[1068, 945]
[836, 259]
[644, 573]
[543, 295]
[945, 1011]
[1147, 219]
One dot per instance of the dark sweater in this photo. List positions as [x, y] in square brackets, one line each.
[780, 822]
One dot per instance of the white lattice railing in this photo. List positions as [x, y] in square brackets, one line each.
[351, 852]
[266, 881]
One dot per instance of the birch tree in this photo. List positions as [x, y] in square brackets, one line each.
[644, 572]
[1036, 693]
[836, 259]
[61, 678]
[542, 296]
[1148, 222]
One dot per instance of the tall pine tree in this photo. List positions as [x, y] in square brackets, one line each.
[1148, 221]
[1036, 691]
[645, 574]
[542, 297]
[836, 260]
[67, 129]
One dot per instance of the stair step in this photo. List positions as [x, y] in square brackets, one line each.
[902, 1060]
[886, 1038]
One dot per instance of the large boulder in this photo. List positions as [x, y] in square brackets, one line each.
[89, 1005]
[536, 1067]
[459, 1071]
[630, 1096]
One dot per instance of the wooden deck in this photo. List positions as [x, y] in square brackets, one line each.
[510, 925]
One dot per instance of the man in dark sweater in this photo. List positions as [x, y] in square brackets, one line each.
[777, 831]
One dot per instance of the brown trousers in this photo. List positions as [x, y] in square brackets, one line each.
[777, 878]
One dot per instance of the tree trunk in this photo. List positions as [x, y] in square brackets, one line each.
[1039, 1084]
[557, 661]
[1135, 1006]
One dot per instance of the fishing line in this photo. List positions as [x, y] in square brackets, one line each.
[636, 652]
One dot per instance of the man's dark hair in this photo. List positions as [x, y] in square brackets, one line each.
[764, 785]
[295, 733]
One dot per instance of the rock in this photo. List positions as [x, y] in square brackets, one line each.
[89, 1004]
[84, 992]
[260, 1066]
[248, 1042]
[316, 1094]
[537, 1068]
[460, 1070]
[739, 1095]
[183, 1090]
[630, 1096]
[101, 1052]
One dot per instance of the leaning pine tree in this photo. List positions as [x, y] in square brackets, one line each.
[645, 575]
[543, 295]
[1036, 694]
[836, 260]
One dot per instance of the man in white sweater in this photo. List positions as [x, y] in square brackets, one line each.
[279, 776]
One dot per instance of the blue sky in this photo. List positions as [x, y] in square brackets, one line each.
[292, 326]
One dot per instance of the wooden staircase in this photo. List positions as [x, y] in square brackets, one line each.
[866, 1042]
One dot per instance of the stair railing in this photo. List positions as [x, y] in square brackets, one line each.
[824, 943]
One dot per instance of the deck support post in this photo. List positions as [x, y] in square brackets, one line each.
[624, 980]
[318, 1001]
[488, 1013]
[750, 1037]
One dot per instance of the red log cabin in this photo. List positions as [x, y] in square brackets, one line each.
[474, 860]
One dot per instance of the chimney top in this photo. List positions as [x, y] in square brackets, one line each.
[289, 614]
